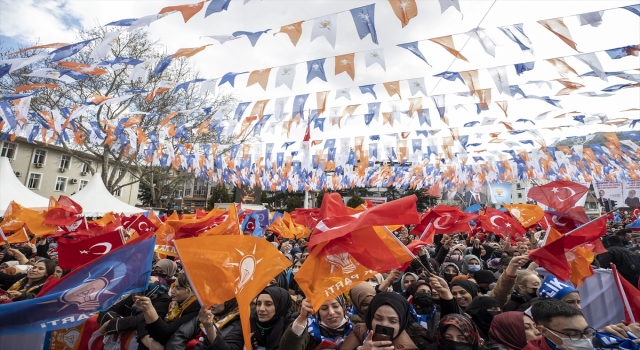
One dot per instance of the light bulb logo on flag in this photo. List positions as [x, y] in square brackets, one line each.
[247, 268]
[343, 261]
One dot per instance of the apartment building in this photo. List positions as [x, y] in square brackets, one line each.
[50, 171]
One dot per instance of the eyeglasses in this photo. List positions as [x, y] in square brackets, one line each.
[589, 332]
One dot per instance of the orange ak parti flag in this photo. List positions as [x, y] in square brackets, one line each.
[526, 214]
[223, 267]
[335, 267]
[230, 225]
[17, 216]
[17, 237]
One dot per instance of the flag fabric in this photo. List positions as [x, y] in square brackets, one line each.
[398, 212]
[364, 19]
[333, 268]
[223, 267]
[63, 212]
[73, 252]
[17, 216]
[230, 225]
[315, 69]
[497, 222]
[19, 236]
[187, 10]
[635, 213]
[89, 289]
[345, 63]
[294, 31]
[405, 10]
[260, 77]
[415, 49]
[526, 214]
[69, 50]
[216, 6]
[560, 195]
[629, 295]
[327, 27]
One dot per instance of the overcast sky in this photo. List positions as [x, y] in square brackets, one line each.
[48, 21]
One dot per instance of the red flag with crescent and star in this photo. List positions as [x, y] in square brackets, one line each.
[501, 224]
[635, 213]
[443, 218]
[73, 252]
[559, 195]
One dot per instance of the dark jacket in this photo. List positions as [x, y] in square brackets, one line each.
[228, 338]
[124, 319]
[518, 303]
[403, 341]
[627, 263]
[160, 330]
[291, 341]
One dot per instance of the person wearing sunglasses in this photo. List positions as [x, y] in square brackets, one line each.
[561, 325]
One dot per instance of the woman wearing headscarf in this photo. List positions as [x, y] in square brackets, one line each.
[482, 310]
[406, 280]
[424, 309]
[29, 286]
[455, 332]
[390, 310]
[327, 329]
[216, 328]
[360, 297]
[513, 330]
[464, 291]
[165, 268]
[184, 307]
[448, 271]
[271, 317]
[470, 265]
[124, 315]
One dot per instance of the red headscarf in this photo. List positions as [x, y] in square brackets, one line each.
[507, 329]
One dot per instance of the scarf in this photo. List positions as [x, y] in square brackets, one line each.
[358, 294]
[477, 309]
[175, 309]
[507, 329]
[424, 318]
[23, 286]
[321, 333]
[268, 333]
[397, 302]
[464, 324]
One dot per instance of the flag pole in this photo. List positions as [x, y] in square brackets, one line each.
[86, 224]
[133, 222]
[415, 258]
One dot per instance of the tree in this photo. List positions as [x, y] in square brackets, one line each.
[355, 201]
[219, 194]
[294, 202]
[138, 126]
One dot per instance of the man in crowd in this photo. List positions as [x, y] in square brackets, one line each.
[561, 326]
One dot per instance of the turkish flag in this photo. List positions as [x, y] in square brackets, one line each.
[635, 213]
[559, 195]
[501, 224]
[77, 252]
[586, 233]
[442, 217]
[398, 212]
[552, 257]
[462, 223]
[139, 223]
[63, 212]
[630, 297]
[560, 222]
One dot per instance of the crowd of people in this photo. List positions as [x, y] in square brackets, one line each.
[464, 291]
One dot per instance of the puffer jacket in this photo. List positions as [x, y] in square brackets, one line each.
[229, 337]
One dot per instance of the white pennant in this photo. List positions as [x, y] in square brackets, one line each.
[346, 93]
[374, 56]
[591, 60]
[327, 27]
[285, 75]
[499, 75]
[280, 103]
[104, 47]
[415, 85]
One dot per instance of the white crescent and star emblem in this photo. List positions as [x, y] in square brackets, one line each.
[437, 221]
[493, 221]
[556, 190]
[556, 221]
[106, 245]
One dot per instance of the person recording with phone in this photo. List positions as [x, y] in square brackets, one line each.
[388, 325]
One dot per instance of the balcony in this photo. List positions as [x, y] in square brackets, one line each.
[197, 193]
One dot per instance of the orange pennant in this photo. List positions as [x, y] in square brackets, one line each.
[258, 108]
[405, 10]
[344, 63]
[321, 98]
[82, 68]
[294, 31]
[189, 52]
[393, 88]
[260, 77]
[557, 27]
[187, 11]
[22, 88]
[447, 43]
[46, 46]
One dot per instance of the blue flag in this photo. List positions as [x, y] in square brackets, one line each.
[8, 115]
[4, 70]
[253, 36]
[34, 133]
[619, 52]
[450, 76]
[315, 69]
[413, 47]
[161, 66]
[69, 50]
[122, 23]
[91, 288]
[368, 118]
[368, 89]
[319, 123]
[298, 106]
[523, 67]
[633, 8]
[617, 87]
[216, 6]
[240, 110]
[330, 143]
[424, 117]
[229, 77]
[364, 18]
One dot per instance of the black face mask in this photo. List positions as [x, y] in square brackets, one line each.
[494, 313]
[449, 276]
[423, 302]
[454, 345]
[534, 293]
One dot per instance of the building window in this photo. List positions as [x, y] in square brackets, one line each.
[519, 195]
[177, 194]
[82, 185]
[86, 167]
[65, 161]
[117, 192]
[518, 186]
[9, 150]
[34, 181]
[61, 184]
[39, 156]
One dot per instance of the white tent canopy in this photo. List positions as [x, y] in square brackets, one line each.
[96, 200]
[11, 189]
